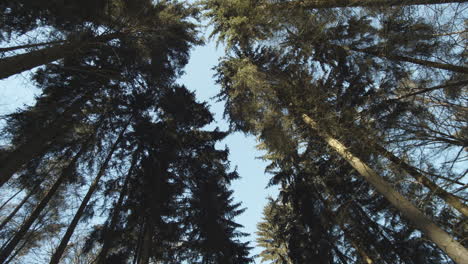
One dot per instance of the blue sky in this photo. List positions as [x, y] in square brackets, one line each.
[17, 91]
[250, 189]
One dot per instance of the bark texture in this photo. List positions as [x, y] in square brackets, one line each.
[442, 239]
[16, 64]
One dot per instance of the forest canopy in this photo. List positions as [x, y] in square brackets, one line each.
[361, 108]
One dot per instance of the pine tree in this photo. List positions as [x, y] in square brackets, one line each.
[272, 233]
[329, 67]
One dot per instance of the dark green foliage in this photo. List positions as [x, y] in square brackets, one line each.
[338, 66]
[158, 169]
[372, 77]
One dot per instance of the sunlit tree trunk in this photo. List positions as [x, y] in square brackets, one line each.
[79, 213]
[23, 62]
[441, 238]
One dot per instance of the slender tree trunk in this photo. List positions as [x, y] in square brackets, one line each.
[425, 90]
[139, 244]
[27, 46]
[9, 199]
[147, 241]
[449, 198]
[8, 249]
[21, 155]
[358, 248]
[399, 58]
[17, 251]
[316, 4]
[441, 193]
[442, 239]
[18, 207]
[355, 243]
[340, 218]
[71, 227]
[110, 230]
[16, 64]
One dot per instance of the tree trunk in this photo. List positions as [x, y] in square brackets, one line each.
[21, 155]
[399, 58]
[17, 251]
[110, 230]
[6, 251]
[18, 207]
[355, 243]
[316, 4]
[27, 46]
[443, 240]
[16, 64]
[9, 199]
[340, 218]
[71, 227]
[425, 90]
[146, 247]
[358, 248]
[441, 193]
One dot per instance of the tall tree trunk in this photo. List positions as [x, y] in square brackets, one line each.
[315, 4]
[400, 58]
[27, 46]
[425, 90]
[22, 154]
[18, 207]
[139, 244]
[110, 230]
[147, 241]
[11, 198]
[71, 227]
[354, 242]
[17, 251]
[340, 218]
[441, 193]
[442, 239]
[8, 249]
[16, 64]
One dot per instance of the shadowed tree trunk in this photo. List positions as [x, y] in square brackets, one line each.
[341, 217]
[110, 230]
[23, 62]
[22, 154]
[18, 207]
[436, 190]
[147, 241]
[426, 90]
[27, 46]
[11, 198]
[442, 239]
[79, 213]
[400, 58]
[8, 249]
